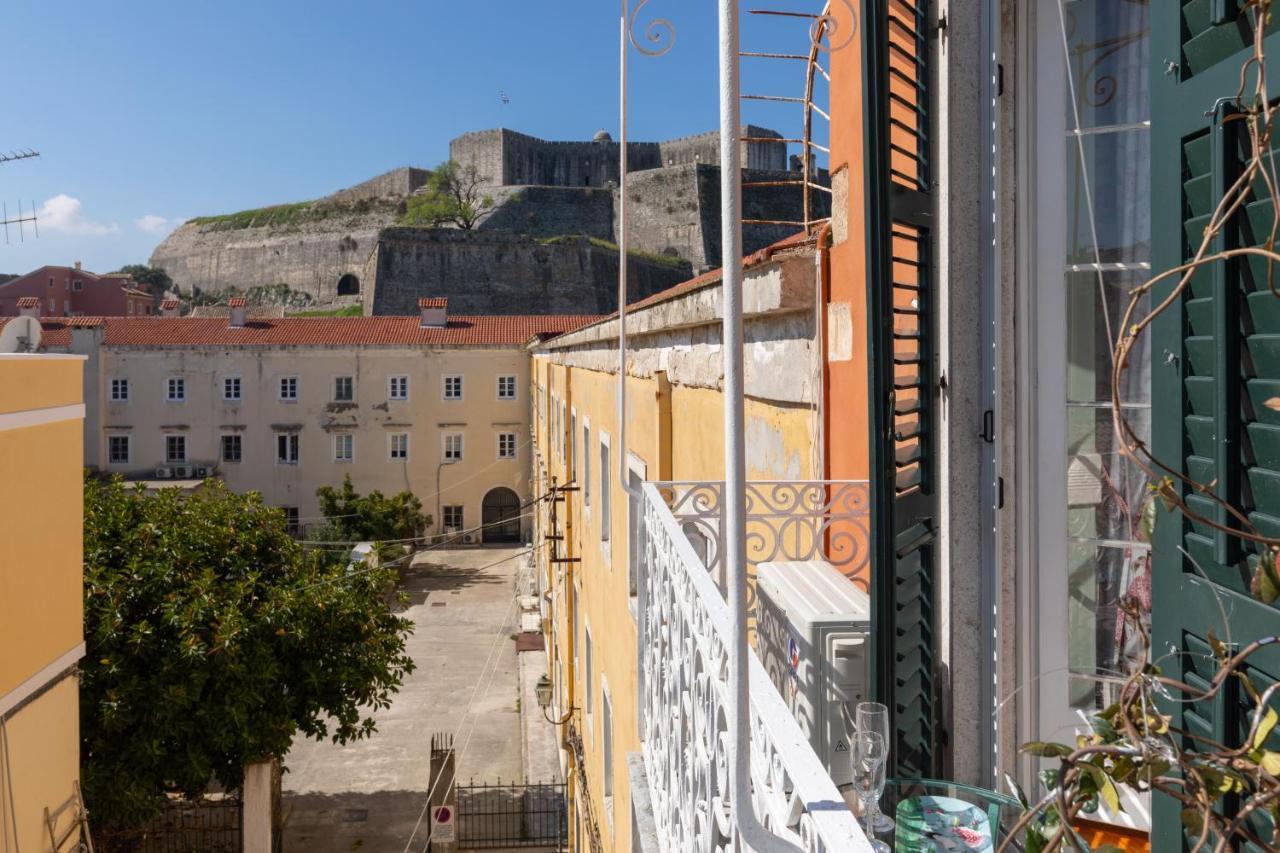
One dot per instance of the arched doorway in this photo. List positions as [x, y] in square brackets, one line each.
[349, 285]
[500, 514]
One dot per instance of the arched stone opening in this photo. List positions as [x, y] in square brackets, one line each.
[500, 513]
[349, 285]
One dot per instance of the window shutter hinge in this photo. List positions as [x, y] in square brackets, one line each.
[999, 79]
[988, 433]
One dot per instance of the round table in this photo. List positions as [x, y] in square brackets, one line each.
[935, 815]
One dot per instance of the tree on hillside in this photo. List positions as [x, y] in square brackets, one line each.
[154, 277]
[212, 639]
[352, 517]
[454, 195]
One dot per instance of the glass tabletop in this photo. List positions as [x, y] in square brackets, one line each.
[935, 815]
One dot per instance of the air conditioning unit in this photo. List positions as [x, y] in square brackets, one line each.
[203, 472]
[163, 472]
[813, 629]
[182, 472]
[471, 539]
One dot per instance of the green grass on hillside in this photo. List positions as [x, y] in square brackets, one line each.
[297, 213]
[348, 311]
[652, 257]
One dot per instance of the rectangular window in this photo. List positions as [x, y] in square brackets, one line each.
[506, 445]
[573, 444]
[577, 644]
[119, 390]
[586, 465]
[453, 387]
[452, 518]
[287, 448]
[291, 519]
[231, 388]
[606, 728]
[605, 494]
[344, 389]
[288, 388]
[118, 449]
[399, 445]
[343, 447]
[232, 447]
[175, 448]
[586, 672]
[398, 388]
[453, 446]
[77, 285]
[506, 387]
[176, 390]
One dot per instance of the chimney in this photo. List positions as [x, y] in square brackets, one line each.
[435, 312]
[239, 307]
[29, 306]
[77, 265]
[170, 308]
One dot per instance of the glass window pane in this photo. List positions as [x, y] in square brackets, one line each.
[1108, 57]
[1108, 197]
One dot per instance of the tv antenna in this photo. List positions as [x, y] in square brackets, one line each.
[502, 96]
[21, 219]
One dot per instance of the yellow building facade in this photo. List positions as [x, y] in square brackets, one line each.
[41, 599]
[585, 545]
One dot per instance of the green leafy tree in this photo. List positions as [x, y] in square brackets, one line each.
[454, 195]
[353, 517]
[154, 277]
[212, 639]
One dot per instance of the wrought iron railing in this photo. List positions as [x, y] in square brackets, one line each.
[684, 691]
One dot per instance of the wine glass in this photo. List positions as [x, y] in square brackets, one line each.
[869, 754]
[874, 717]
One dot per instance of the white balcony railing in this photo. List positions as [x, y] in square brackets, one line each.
[684, 692]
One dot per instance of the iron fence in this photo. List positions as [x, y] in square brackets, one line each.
[205, 826]
[512, 815]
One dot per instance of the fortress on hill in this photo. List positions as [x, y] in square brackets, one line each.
[548, 245]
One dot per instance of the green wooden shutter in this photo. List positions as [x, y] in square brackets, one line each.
[901, 303]
[1215, 359]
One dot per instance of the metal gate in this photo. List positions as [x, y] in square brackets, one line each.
[208, 826]
[502, 816]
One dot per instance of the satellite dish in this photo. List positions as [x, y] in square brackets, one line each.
[20, 334]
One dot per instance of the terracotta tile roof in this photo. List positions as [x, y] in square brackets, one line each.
[237, 302]
[28, 301]
[433, 302]
[170, 304]
[156, 331]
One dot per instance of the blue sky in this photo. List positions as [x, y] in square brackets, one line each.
[147, 113]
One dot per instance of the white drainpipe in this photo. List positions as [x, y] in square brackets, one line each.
[623, 474]
[751, 833]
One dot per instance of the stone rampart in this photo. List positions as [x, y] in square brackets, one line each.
[395, 184]
[499, 273]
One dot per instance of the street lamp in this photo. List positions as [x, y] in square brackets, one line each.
[542, 690]
[439, 517]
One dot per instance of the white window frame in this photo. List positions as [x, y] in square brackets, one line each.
[392, 381]
[295, 446]
[339, 439]
[222, 448]
[607, 753]
[128, 448]
[444, 387]
[167, 459]
[169, 386]
[119, 384]
[573, 443]
[290, 382]
[351, 384]
[392, 450]
[514, 449]
[444, 516]
[588, 682]
[586, 465]
[226, 387]
[606, 496]
[515, 392]
[444, 446]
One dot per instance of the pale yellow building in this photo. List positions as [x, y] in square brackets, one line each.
[586, 544]
[41, 599]
[434, 404]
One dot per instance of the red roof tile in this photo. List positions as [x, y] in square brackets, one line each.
[28, 301]
[433, 302]
[170, 304]
[237, 302]
[315, 331]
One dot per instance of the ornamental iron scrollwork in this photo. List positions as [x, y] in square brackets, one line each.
[659, 32]
[685, 711]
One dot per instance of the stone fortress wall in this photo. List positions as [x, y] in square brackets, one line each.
[542, 189]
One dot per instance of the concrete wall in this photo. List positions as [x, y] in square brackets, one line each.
[41, 587]
[489, 272]
[675, 409]
[204, 417]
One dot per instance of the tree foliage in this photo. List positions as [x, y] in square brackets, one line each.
[212, 638]
[352, 517]
[154, 277]
[454, 195]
